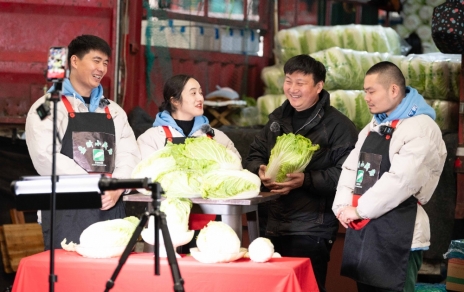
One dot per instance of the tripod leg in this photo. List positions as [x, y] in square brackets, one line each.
[127, 250]
[171, 253]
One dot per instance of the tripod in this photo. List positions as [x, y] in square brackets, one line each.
[160, 222]
[43, 111]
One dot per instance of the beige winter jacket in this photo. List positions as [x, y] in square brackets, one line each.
[39, 139]
[417, 155]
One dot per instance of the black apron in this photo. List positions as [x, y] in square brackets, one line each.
[377, 254]
[90, 141]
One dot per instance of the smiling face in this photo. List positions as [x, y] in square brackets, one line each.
[301, 91]
[381, 97]
[191, 102]
[86, 73]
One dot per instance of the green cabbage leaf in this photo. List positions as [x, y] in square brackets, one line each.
[291, 154]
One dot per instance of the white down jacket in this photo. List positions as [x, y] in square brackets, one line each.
[39, 139]
[417, 154]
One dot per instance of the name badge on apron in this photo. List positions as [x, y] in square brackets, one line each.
[368, 171]
[94, 151]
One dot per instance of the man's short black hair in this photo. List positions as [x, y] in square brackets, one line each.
[306, 65]
[82, 45]
[389, 74]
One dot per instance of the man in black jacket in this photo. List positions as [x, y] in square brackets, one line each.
[300, 223]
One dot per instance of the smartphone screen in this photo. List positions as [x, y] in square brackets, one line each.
[57, 63]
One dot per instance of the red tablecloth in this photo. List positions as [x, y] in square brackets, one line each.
[76, 273]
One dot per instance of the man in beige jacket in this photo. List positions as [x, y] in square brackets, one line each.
[96, 138]
[393, 170]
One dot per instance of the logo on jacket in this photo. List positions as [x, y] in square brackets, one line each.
[412, 111]
[275, 127]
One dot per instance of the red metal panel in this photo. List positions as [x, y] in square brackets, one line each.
[28, 28]
[240, 72]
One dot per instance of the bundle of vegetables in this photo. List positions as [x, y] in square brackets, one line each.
[447, 114]
[104, 239]
[267, 104]
[290, 154]
[417, 17]
[352, 104]
[310, 39]
[434, 75]
[185, 171]
[273, 78]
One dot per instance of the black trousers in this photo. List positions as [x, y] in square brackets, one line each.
[306, 246]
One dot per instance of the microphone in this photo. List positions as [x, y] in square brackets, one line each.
[107, 183]
[43, 110]
[206, 128]
[103, 102]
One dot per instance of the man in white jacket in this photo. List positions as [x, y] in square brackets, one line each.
[96, 138]
[393, 170]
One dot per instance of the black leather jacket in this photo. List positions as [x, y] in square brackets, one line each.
[307, 210]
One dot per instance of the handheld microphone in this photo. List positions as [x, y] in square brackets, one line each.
[206, 128]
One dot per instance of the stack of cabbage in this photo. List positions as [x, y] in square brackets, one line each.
[434, 75]
[309, 39]
[199, 168]
[417, 17]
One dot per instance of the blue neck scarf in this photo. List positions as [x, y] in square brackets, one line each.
[164, 118]
[95, 95]
[413, 104]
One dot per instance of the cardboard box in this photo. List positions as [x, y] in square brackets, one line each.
[455, 276]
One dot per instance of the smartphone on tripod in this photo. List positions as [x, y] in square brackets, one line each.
[57, 66]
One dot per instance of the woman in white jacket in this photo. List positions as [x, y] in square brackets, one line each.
[393, 170]
[180, 117]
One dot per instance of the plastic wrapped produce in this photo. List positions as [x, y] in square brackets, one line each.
[273, 78]
[447, 114]
[352, 104]
[287, 44]
[267, 104]
[310, 39]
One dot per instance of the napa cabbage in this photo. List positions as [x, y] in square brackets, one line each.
[218, 238]
[177, 211]
[287, 43]
[267, 104]
[273, 78]
[109, 233]
[290, 154]
[181, 184]
[261, 250]
[206, 149]
[447, 113]
[230, 184]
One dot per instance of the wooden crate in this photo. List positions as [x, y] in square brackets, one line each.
[22, 240]
[5, 259]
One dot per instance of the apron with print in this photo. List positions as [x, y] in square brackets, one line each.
[90, 141]
[376, 251]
